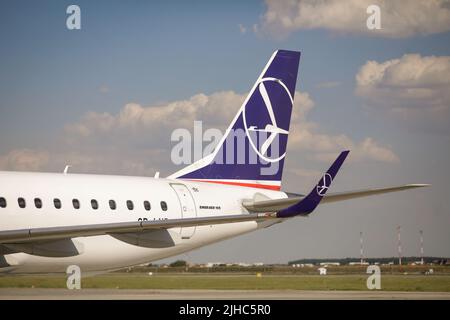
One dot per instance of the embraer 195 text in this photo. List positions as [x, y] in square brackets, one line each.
[49, 221]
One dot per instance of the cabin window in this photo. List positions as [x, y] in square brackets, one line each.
[21, 202]
[2, 203]
[76, 203]
[163, 206]
[57, 203]
[130, 205]
[38, 203]
[112, 204]
[94, 204]
[147, 205]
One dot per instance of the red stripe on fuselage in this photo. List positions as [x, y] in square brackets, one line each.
[242, 184]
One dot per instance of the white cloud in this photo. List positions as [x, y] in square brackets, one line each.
[24, 160]
[99, 161]
[399, 18]
[102, 161]
[307, 136]
[136, 140]
[137, 123]
[133, 117]
[412, 88]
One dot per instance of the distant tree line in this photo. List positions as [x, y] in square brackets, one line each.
[178, 263]
[385, 260]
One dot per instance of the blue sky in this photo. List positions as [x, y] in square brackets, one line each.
[154, 53]
[147, 52]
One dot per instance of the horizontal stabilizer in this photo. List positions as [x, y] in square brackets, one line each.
[280, 204]
[340, 196]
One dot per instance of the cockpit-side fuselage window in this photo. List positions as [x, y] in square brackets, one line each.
[163, 206]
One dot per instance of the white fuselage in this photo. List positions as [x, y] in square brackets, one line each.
[184, 199]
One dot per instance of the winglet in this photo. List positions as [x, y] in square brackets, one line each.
[312, 200]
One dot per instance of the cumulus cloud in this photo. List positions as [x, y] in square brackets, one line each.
[412, 88]
[99, 161]
[133, 117]
[136, 140]
[152, 123]
[108, 161]
[24, 160]
[307, 135]
[399, 18]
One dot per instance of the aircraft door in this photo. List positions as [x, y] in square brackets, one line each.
[187, 206]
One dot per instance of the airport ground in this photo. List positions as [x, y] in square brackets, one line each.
[423, 283]
[153, 294]
[223, 286]
[343, 282]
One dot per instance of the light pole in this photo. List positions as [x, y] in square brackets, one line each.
[421, 247]
[361, 250]
[399, 246]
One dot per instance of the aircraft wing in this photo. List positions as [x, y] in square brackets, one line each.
[280, 204]
[37, 236]
[260, 211]
[65, 232]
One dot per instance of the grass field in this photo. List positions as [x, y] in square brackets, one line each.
[431, 283]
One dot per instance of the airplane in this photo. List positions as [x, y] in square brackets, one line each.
[49, 221]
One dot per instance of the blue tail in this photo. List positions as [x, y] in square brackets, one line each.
[253, 149]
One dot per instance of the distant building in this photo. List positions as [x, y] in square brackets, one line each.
[322, 271]
[213, 264]
[303, 265]
[358, 263]
[330, 264]
[243, 264]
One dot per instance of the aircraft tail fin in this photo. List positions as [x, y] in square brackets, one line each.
[253, 149]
